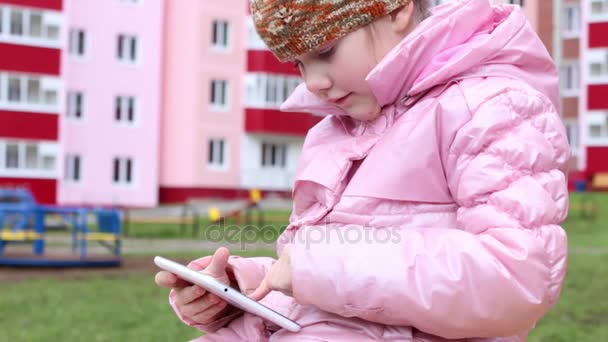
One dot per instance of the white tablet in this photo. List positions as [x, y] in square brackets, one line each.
[227, 293]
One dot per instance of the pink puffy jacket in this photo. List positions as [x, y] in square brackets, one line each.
[440, 219]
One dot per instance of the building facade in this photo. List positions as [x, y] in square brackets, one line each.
[113, 95]
[31, 31]
[593, 105]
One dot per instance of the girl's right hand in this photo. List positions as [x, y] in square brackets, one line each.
[192, 301]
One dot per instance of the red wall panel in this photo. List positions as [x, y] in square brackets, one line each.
[597, 159]
[44, 190]
[46, 4]
[275, 121]
[265, 61]
[598, 35]
[30, 59]
[21, 125]
[597, 97]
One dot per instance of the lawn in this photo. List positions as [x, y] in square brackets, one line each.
[119, 308]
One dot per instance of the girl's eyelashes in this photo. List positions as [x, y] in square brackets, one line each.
[327, 52]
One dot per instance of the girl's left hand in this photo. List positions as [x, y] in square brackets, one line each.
[278, 277]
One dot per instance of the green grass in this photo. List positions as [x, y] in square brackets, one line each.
[108, 308]
[275, 221]
[99, 309]
[120, 308]
[582, 311]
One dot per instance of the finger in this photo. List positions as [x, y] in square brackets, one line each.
[210, 314]
[169, 280]
[261, 291]
[188, 294]
[219, 262]
[199, 305]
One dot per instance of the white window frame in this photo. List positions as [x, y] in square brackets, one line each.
[219, 89]
[597, 57]
[123, 179]
[49, 20]
[43, 151]
[258, 86]
[124, 54]
[597, 118]
[47, 86]
[570, 78]
[602, 15]
[122, 103]
[280, 155]
[571, 29]
[221, 32]
[516, 2]
[572, 131]
[75, 44]
[73, 103]
[217, 154]
[70, 174]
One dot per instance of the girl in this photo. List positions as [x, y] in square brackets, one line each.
[427, 203]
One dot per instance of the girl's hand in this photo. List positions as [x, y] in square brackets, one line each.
[192, 301]
[278, 277]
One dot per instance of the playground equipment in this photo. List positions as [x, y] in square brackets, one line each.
[22, 222]
[251, 206]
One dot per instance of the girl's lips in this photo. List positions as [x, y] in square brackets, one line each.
[341, 100]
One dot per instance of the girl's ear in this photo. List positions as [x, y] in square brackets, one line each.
[402, 18]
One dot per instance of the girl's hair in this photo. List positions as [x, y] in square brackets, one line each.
[422, 9]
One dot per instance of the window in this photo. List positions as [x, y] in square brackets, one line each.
[74, 105]
[72, 168]
[22, 89]
[127, 48]
[16, 23]
[598, 65]
[33, 90]
[27, 156]
[36, 24]
[122, 171]
[572, 20]
[572, 133]
[30, 24]
[570, 77]
[221, 31]
[597, 125]
[219, 94]
[216, 153]
[124, 109]
[14, 89]
[269, 90]
[31, 156]
[595, 131]
[77, 42]
[599, 7]
[274, 155]
[12, 155]
[516, 2]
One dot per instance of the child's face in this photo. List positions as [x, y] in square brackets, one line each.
[336, 72]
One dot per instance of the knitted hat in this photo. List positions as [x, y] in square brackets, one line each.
[293, 27]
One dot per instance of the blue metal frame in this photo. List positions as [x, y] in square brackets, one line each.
[22, 205]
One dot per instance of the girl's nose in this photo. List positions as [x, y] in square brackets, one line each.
[318, 83]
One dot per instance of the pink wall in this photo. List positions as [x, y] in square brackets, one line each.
[98, 138]
[189, 122]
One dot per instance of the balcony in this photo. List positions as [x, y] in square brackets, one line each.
[273, 121]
